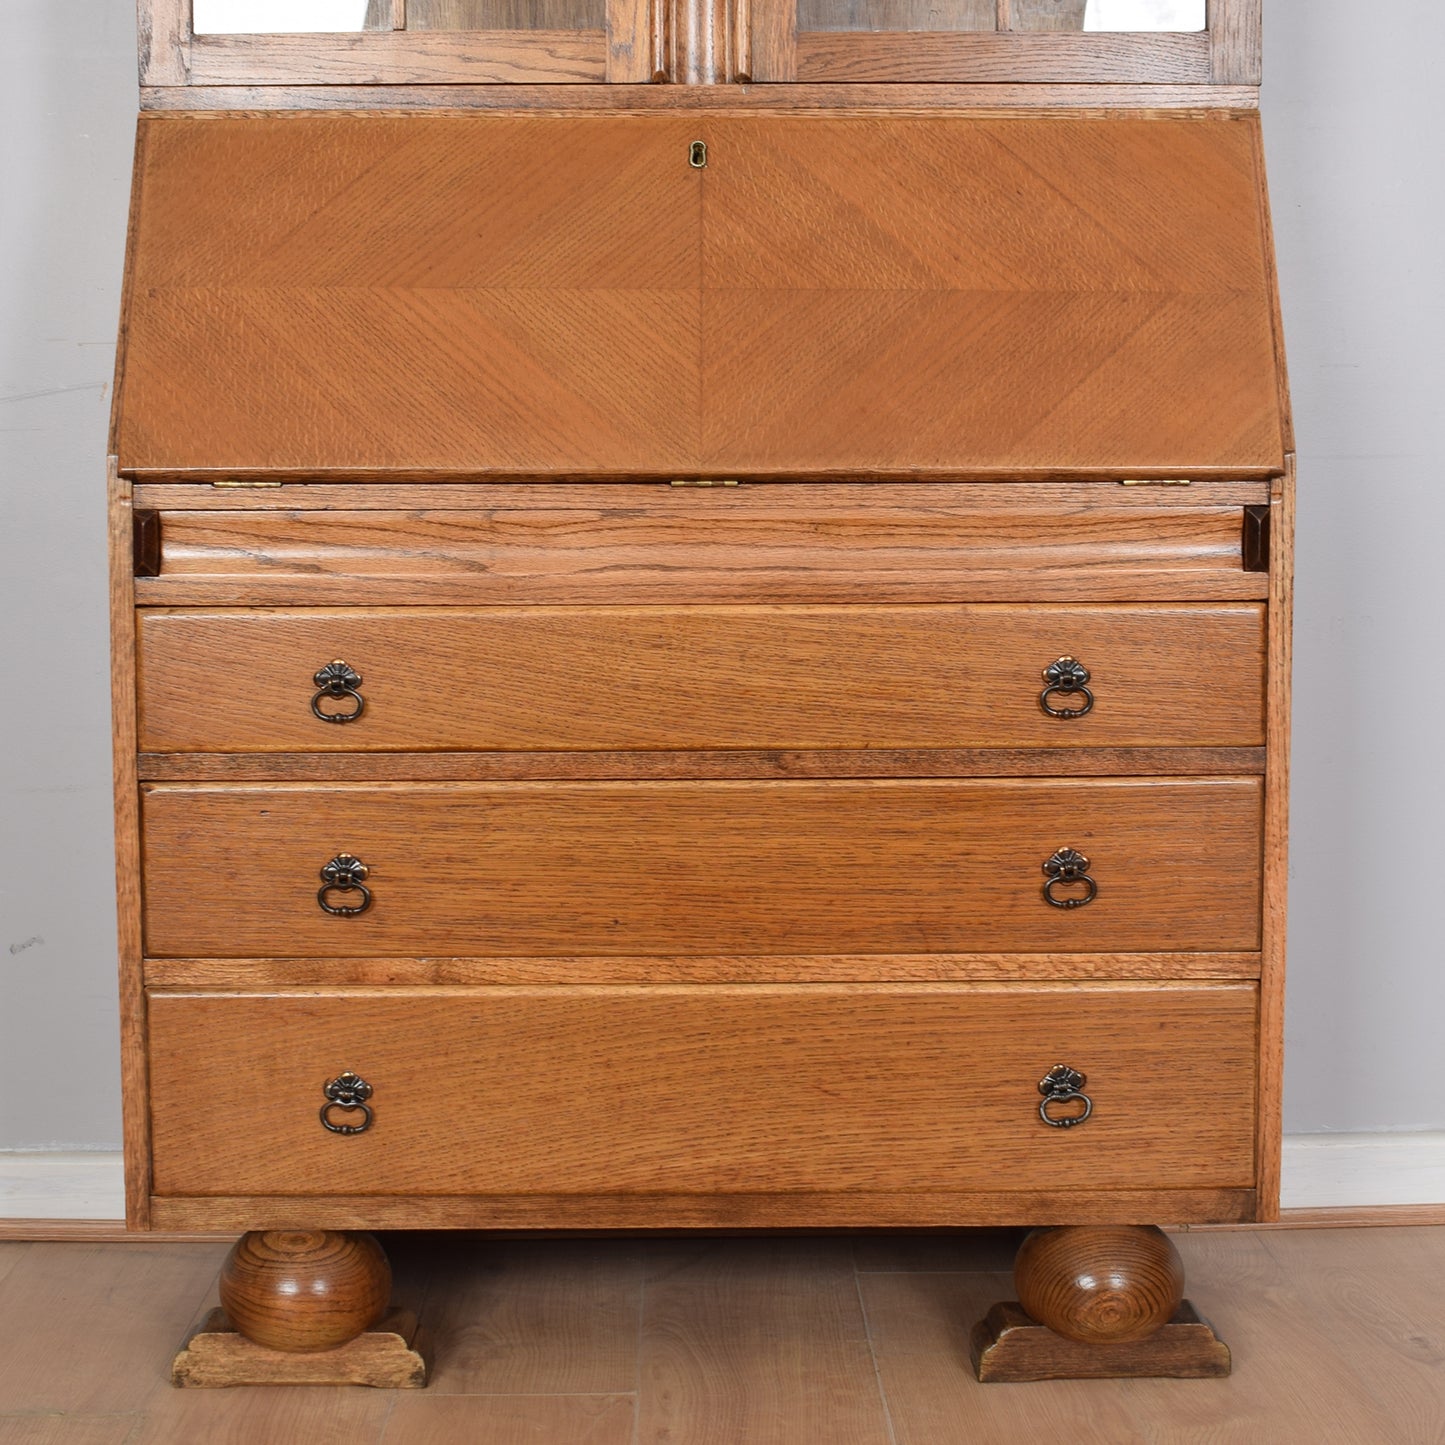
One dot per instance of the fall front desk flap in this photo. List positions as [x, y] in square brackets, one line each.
[599, 296]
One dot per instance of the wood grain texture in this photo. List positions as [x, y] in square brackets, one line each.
[402, 57]
[702, 678]
[785, 1316]
[641, 500]
[1101, 101]
[814, 552]
[632, 55]
[703, 1091]
[1008, 1347]
[743, 763]
[950, 56]
[1276, 846]
[1100, 1284]
[134, 1086]
[1236, 41]
[164, 41]
[555, 362]
[541, 869]
[1083, 286]
[724, 1212]
[506, 14]
[304, 1290]
[334, 972]
[217, 1355]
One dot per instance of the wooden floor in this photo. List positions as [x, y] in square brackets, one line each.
[1339, 1336]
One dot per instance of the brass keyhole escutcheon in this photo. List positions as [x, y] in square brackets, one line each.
[697, 155]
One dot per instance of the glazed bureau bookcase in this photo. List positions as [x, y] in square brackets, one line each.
[701, 624]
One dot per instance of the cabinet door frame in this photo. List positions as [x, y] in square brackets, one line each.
[172, 54]
[1226, 53]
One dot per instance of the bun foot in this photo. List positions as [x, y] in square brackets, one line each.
[1097, 1302]
[304, 1307]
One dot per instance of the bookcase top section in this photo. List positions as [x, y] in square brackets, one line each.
[420, 53]
[571, 296]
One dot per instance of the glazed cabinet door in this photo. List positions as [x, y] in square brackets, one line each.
[1054, 41]
[395, 42]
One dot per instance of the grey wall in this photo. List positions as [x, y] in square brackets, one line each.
[1356, 177]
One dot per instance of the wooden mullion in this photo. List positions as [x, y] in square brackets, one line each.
[1003, 15]
[773, 34]
[165, 32]
[633, 56]
[1236, 41]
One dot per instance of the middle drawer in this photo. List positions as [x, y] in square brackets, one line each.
[703, 869]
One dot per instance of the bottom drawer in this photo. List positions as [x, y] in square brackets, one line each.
[703, 1090]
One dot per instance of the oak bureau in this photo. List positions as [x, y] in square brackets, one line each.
[701, 624]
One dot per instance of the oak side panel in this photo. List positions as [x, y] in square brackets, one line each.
[135, 1094]
[662, 679]
[1276, 847]
[698, 1090]
[542, 869]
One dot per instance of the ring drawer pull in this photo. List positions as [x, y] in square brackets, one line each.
[349, 1094]
[1068, 677]
[1063, 1085]
[344, 874]
[1068, 866]
[339, 680]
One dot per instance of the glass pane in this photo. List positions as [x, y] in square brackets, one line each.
[278, 17]
[506, 14]
[1109, 15]
[897, 14]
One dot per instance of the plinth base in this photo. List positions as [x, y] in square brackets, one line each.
[390, 1357]
[1010, 1346]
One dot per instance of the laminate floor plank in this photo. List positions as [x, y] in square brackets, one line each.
[274, 1414]
[759, 1341]
[539, 1317]
[10, 1255]
[919, 1325]
[1295, 1371]
[424, 1419]
[1385, 1286]
[67, 1429]
[92, 1329]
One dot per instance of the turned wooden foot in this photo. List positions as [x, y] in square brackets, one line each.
[299, 1307]
[1097, 1301]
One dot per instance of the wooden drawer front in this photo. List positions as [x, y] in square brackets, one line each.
[701, 677]
[763, 544]
[538, 869]
[698, 1090]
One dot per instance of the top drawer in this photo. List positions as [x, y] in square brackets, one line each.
[700, 678]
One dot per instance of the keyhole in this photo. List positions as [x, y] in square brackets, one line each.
[697, 155]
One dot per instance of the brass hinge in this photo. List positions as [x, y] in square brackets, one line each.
[1157, 482]
[704, 482]
[247, 484]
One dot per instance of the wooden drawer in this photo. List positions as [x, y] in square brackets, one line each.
[538, 869]
[703, 1090]
[700, 677]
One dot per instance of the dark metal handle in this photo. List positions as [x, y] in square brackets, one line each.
[1067, 677]
[1068, 866]
[344, 874]
[348, 1093]
[339, 680]
[1063, 1085]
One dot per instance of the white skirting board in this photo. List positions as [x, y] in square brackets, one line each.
[1321, 1171]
